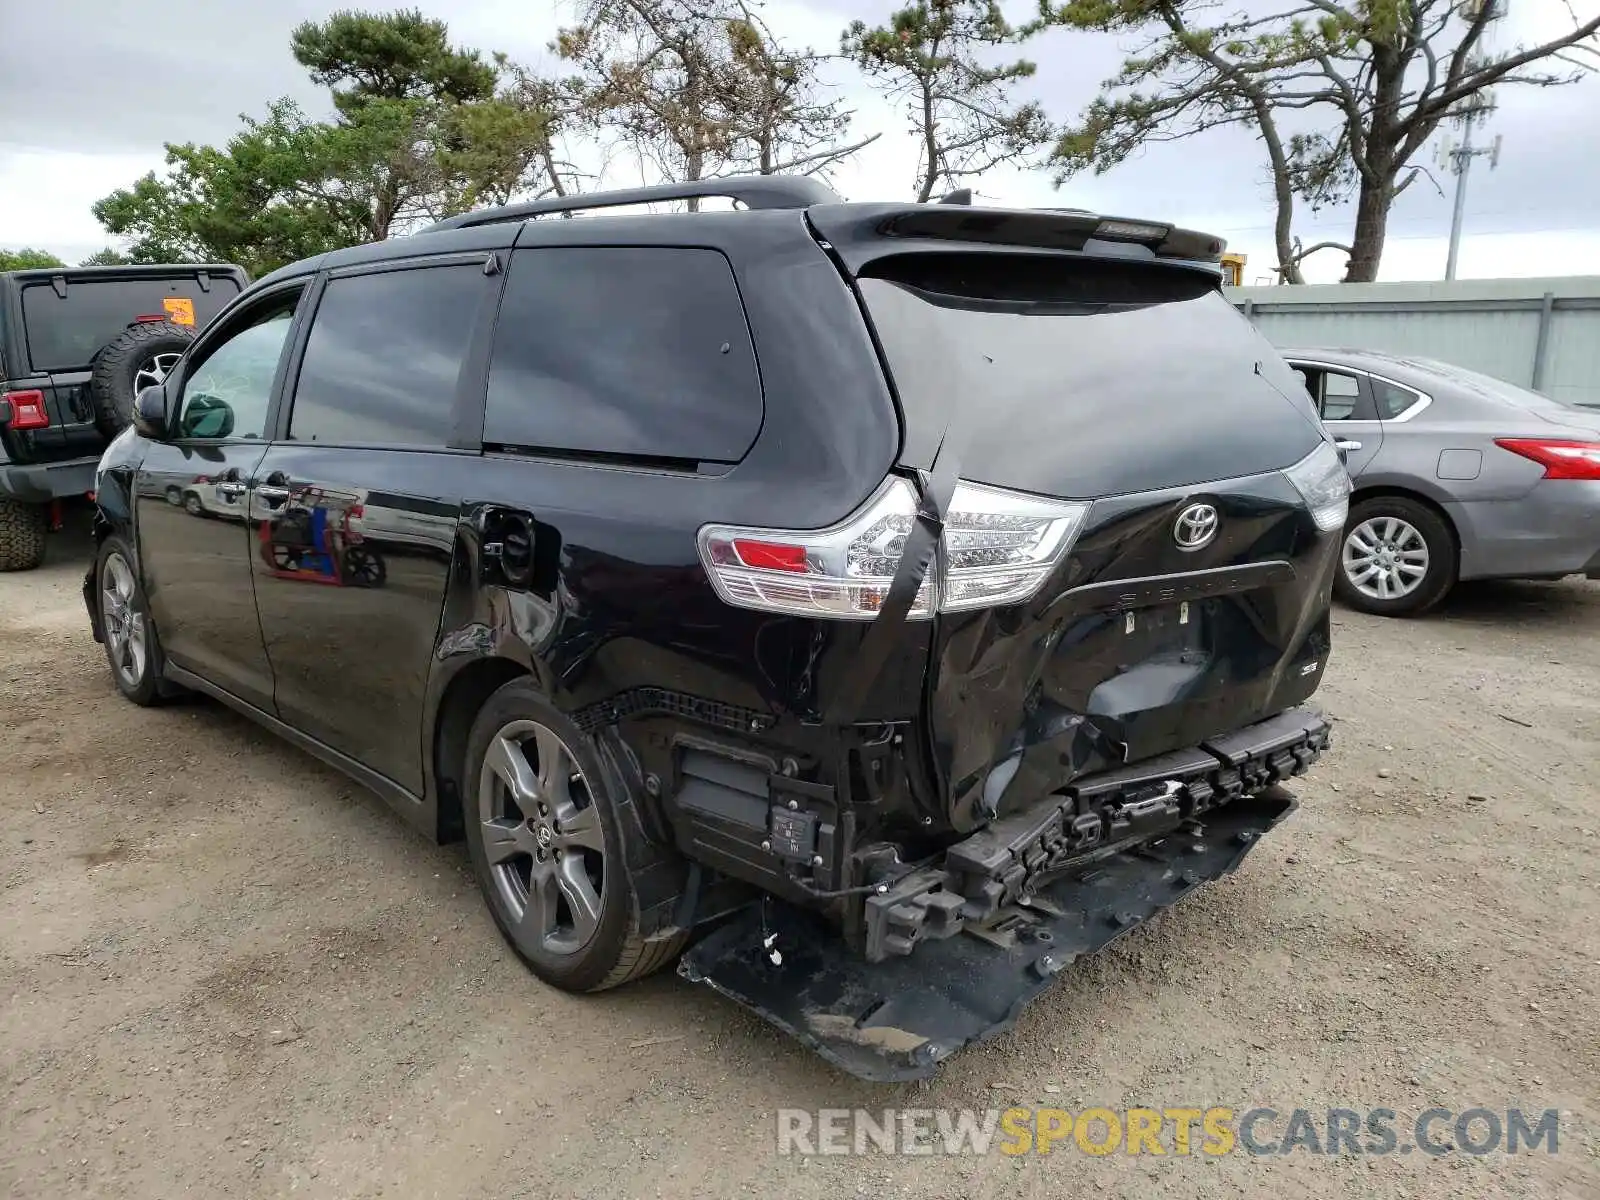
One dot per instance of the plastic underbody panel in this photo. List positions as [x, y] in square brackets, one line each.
[957, 950]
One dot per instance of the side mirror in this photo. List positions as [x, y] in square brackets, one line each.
[205, 417]
[150, 412]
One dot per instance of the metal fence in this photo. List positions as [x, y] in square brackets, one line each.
[1540, 333]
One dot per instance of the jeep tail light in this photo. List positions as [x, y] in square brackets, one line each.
[999, 548]
[27, 410]
[1560, 459]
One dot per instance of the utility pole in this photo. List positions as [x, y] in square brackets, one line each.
[1459, 158]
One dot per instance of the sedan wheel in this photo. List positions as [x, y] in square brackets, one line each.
[1398, 557]
[1385, 558]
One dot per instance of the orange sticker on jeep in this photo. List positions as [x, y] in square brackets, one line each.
[180, 311]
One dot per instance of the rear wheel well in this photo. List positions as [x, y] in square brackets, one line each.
[463, 698]
[1377, 493]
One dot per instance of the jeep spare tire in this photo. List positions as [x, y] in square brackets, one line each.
[135, 359]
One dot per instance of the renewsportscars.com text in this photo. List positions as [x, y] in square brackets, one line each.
[1175, 1132]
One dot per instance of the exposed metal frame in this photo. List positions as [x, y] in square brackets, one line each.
[753, 191]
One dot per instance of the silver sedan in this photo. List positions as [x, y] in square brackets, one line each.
[1457, 476]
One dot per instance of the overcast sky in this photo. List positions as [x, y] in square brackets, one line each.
[90, 89]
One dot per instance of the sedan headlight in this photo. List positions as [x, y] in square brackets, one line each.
[1324, 484]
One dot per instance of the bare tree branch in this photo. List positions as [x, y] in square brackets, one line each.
[1376, 77]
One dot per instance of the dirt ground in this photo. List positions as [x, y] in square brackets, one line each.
[227, 971]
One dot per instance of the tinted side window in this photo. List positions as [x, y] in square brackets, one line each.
[65, 332]
[227, 393]
[1340, 395]
[1392, 400]
[638, 350]
[381, 362]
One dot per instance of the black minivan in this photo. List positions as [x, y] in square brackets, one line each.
[894, 601]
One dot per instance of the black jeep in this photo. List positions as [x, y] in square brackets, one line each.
[76, 345]
[894, 601]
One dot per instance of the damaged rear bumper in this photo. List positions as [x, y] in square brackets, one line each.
[897, 1020]
[1027, 895]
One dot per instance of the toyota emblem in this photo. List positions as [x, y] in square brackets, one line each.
[1195, 527]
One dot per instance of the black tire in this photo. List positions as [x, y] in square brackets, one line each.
[364, 567]
[112, 386]
[614, 953]
[145, 687]
[22, 530]
[1443, 557]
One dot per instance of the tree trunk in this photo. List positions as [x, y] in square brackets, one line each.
[930, 145]
[1372, 226]
[1282, 190]
[387, 203]
[694, 165]
[1381, 166]
[547, 153]
[1283, 230]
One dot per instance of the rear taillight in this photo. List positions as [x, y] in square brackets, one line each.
[999, 547]
[1322, 481]
[27, 410]
[1560, 459]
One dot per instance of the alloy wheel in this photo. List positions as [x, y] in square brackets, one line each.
[1385, 558]
[542, 838]
[125, 631]
[153, 370]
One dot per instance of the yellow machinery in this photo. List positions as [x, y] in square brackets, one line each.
[1233, 269]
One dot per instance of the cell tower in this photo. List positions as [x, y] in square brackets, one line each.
[1475, 110]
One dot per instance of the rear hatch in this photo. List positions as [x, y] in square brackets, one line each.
[1127, 382]
[67, 316]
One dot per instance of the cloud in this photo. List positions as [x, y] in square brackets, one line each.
[140, 78]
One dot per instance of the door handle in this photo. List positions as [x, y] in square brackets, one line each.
[229, 490]
[1347, 446]
[271, 493]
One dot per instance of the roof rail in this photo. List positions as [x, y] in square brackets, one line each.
[753, 191]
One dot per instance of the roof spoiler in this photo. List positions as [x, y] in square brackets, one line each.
[753, 191]
[1048, 229]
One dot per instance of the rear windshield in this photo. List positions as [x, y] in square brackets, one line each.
[65, 332]
[1495, 389]
[1081, 377]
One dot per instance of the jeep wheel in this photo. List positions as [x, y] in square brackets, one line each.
[543, 836]
[132, 648]
[137, 358]
[22, 529]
